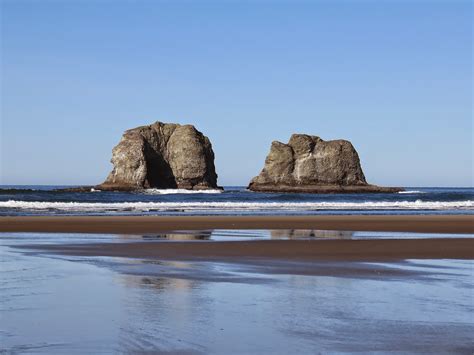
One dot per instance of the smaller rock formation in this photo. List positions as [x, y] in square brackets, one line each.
[310, 164]
[162, 155]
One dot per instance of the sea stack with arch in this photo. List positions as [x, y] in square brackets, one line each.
[310, 164]
[162, 156]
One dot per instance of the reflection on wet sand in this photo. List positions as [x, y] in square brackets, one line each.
[309, 233]
[88, 305]
[222, 234]
[281, 234]
[181, 235]
[347, 315]
[159, 283]
[172, 235]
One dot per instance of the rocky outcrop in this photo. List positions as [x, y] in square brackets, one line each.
[162, 155]
[310, 164]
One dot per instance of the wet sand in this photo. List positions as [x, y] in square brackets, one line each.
[151, 224]
[83, 304]
[380, 250]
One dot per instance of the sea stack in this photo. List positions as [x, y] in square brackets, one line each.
[312, 165]
[163, 156]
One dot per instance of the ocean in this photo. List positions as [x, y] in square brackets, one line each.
[234, 200]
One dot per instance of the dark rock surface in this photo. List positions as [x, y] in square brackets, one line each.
[162, 155]
[310, 164]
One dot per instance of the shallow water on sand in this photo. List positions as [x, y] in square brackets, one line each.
[217, 235]
[61, 304]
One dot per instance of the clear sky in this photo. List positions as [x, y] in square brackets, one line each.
[394, 77]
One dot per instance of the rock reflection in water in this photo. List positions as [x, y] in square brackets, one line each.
[309, 233]
[164, 283]
[181, 235]
[157, 283]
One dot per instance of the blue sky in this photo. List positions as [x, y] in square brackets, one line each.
[394, 77]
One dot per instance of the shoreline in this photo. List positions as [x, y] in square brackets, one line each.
[459, 224]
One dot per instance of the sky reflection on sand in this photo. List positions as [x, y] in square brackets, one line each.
[220, 235]
[60, 304]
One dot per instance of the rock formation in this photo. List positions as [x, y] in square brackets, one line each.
[162, 155]
[310, 164]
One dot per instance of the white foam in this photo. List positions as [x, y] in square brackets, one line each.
[181, 191]
[237, 206]
[411, 192]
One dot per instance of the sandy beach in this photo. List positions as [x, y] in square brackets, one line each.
[151, 224]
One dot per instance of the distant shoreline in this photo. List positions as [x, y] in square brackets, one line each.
[462, 224]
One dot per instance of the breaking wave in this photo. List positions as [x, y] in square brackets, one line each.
[181, 191]
[235, 206]
[411, 192]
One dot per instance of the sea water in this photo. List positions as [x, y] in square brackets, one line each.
[43, 200]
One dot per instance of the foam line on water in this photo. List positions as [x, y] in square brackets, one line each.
[180, 191]
[411, 192]
[237, 206]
